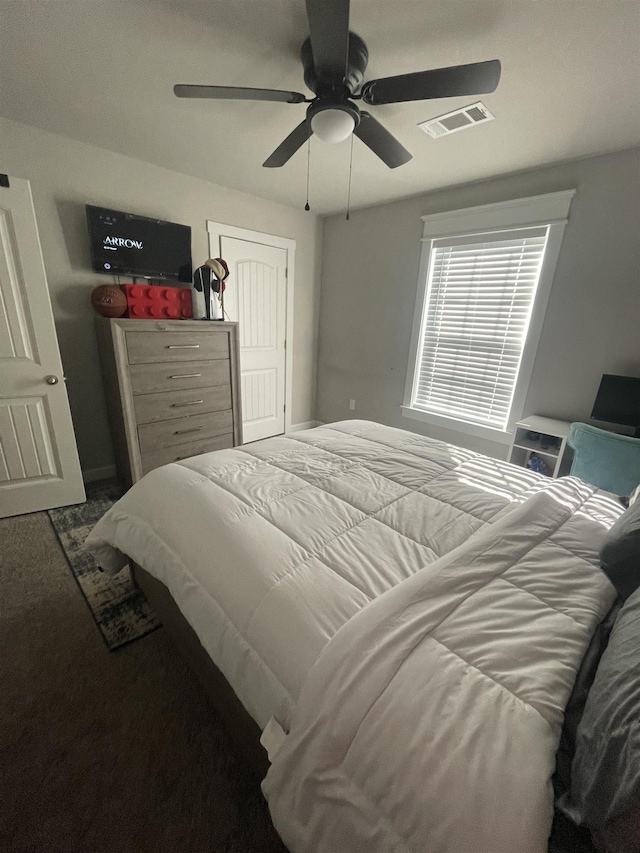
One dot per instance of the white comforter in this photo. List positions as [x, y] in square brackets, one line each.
[269, 549]
[412, 612]
[431, 720]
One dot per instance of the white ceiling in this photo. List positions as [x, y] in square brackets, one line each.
[102, 71]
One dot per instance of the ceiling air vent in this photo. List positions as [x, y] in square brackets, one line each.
[457, 120]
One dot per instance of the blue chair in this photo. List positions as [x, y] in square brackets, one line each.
[605, 459]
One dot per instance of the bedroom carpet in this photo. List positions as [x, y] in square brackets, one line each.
[106, 752]
[121, 612]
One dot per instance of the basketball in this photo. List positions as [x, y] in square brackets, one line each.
[109, 300]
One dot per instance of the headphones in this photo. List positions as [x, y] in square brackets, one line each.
[204, 281]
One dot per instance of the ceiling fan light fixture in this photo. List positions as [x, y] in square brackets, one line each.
[333, 125]
[334, 61]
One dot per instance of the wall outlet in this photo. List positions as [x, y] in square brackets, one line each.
[352, 405]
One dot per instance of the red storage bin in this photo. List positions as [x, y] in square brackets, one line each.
[156, 302]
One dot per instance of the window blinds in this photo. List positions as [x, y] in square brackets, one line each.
[480, 293]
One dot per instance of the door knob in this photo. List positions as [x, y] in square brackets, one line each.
[51, 379]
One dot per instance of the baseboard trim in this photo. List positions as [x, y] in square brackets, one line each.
[92, 475]
[304, 425]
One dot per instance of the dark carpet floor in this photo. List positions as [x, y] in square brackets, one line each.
[106, 751]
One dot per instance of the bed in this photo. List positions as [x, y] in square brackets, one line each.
[401, 618]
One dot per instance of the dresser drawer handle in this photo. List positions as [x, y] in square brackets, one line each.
[190, 403]
[183, 346]
[199, 453]
[185, 375]
[183, 431]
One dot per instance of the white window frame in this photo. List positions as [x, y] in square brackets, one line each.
[550, 210]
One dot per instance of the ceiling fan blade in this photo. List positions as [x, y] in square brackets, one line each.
[288, 148]
[381, 142]
[329, 34]
[477, 78]
[236, 93]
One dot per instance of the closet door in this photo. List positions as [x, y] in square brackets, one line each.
[256, 299]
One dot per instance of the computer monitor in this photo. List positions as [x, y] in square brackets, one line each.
[618, 401]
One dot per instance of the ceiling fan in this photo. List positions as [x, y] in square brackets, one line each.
[334, 61]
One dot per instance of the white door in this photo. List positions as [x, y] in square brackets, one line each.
[39, 466]
[256, 298]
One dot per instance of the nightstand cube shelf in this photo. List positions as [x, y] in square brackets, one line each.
[550, 446]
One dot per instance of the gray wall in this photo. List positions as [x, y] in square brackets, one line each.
[592, 324]
[65, 175]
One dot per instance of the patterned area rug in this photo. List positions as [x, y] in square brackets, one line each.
[120, 611]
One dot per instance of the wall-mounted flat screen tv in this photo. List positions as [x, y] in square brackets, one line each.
[127, 244]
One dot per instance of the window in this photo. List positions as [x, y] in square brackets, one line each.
[479, 298]
[484, 284]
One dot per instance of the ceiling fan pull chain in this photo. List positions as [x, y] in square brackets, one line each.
[306, 207]
[350, 170]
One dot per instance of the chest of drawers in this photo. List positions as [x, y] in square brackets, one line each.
[172, 390]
